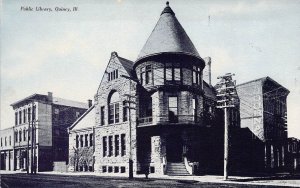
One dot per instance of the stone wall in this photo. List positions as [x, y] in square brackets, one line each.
[126, 93]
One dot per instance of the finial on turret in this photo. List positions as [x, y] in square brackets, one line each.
[168, 9]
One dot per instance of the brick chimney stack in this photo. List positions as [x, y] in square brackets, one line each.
[50, 97]
[90, 103]
[207, 70]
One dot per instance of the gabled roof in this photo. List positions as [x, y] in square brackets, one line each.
[209, 91]
[168, 36]
[127, 64]
[85, 121]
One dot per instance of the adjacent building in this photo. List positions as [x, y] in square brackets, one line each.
[39, 136]
[263, 112]
[7, 149]
[81, 142]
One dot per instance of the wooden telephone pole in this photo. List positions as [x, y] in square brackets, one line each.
[129, 101]
[226, 94]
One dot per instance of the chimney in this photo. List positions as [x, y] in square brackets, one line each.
[50, 97]
[207, 70]
[90, 103]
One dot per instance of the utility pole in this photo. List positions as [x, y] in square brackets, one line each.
[129, 101]
[226, 94]
[28, 136]
[32, 135]
[35, 147]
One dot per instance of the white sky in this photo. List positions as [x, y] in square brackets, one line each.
[66, 53]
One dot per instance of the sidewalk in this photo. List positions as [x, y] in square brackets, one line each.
[276, 180]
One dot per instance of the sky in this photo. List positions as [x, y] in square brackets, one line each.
[66, 52]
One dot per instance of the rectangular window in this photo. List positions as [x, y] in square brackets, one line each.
[113, 75]
[148, 74]
[86, 143]
[16, 118]
[125, 112]
[81, 140]
[33, 112]
[169, 73]
[117, 145]
[16, 136]
[77, 141]
[10, 140]
[91, 139]
[123, 145]
[123, 169]
[20, 117]
[111, 113]
[177, 76]
[173, 109]
[24, 135]
[197, 75]
[116, 169]
[194, 109]
[102, 115]
[20, 136]
[110, 146]
[24, 116]
[117, 113]
[110, 169]
[29, 114]
[159, 76]
[143, 73]
[104, 141]
[1, 141]
[104, 169]
[5, 141]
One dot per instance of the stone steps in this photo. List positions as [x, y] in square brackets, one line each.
[177, 169]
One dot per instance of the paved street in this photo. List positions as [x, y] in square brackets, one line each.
[51, 180]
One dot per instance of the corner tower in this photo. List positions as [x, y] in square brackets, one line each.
[170, 66]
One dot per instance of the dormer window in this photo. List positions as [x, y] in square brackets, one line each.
[113, 75]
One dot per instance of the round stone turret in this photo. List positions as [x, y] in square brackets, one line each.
[169, 57]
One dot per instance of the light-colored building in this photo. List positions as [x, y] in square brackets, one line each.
[81, 142]
[7, 149]
[41, 123]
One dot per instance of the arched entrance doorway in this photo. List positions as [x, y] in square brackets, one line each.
[174, 148]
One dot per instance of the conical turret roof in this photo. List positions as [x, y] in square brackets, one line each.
[168, 36]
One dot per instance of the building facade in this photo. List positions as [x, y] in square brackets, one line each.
[158, 115]
[81, 142]
[40, 134]
[263, 110]
[7, 149]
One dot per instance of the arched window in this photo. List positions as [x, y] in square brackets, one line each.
[113, 111]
